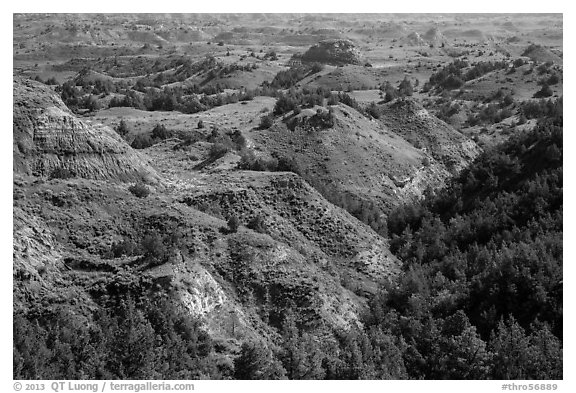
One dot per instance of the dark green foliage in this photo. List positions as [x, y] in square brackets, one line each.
[126, 337]
[542, 108]
[270, 55]
[125, 247]
[487, 248]
[122, 129]
[257, 224]
[518, 63]
[154, 248]
[249, 161]
[484, 67]
[255, 362]
[276, 163]
[218, 150]
[373, 110]
[405, 88]
[322, 119]
[449, 77]
[130, 99]
[346, 99]
[50, 81]
[316, 67]
[490, 114]
[390, 91]
[302, 356]
[233, 224]
[266, 121]
[307, 98]
[160, 132]
[289, 78]
[284, 104]
[447, 110]
[544, 68]
[452, 76]
[140, 190]
[71, 95]
[544, 92]
[518, 355]
[553, 80]
[142, 141]
[61, 173]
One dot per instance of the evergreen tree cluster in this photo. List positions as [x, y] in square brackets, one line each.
[452, 76]
[483, 267]
[133, 334]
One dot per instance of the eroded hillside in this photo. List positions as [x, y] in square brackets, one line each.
[287, 196]
[76, 234]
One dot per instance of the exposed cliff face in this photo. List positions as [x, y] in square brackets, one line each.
[48, 137]
[335, 51]
[35, 255]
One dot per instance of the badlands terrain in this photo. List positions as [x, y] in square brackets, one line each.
[301, 196]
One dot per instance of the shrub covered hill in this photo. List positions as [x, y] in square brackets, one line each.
[232, 253]
[367, 160]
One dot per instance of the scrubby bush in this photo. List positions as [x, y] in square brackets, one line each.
[540, 108]
[322, 119]
[125, 247]
[249, 161]
[61, 173]
[161, 132]
[373, 110]
[316, 67]
[285, 104]
[553, 79]
[141, 141]
[233, 224]
[518, 63]
[154, 249]
[266, 121]
[218, 150]
[405, 88]
[122, 128]
[139, 189]
[257, 224]
[544, 92]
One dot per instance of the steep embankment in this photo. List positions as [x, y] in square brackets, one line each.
[49, 139]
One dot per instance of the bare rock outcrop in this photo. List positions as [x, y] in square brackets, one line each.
[48, 138]
[333, 51]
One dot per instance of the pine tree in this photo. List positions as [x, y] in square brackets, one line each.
[256, 361]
